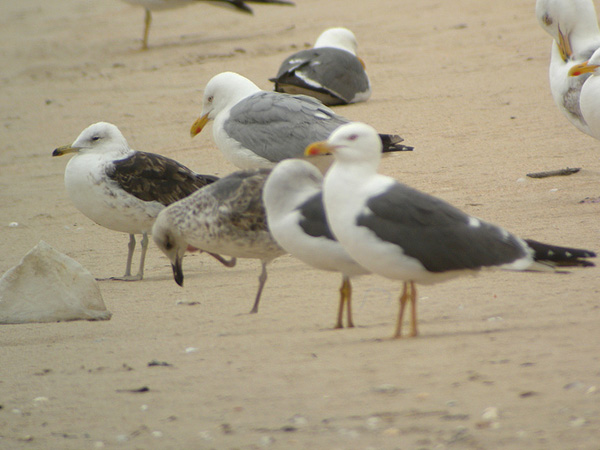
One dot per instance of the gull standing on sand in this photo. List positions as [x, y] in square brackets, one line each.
[405, 234]
[294, 204]
[227, 217]
[331, 71]
[574, 27]
[255, 128]
[122, 189]
[159, 5]
[589, 99]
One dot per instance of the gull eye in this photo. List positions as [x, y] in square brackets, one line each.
[353, 137]
[95, 138]
[210, 99]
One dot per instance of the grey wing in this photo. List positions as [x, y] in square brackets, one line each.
[313, 219]
[279, 126]
[326, 70]
[436, 233]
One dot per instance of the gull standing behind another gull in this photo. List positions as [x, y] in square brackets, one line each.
[159, 5]
[294, 204]
[574, 27]
[255, 128]
[330, 71]
[227, 217]
[590, 92]
[405, 234]
[122, 189]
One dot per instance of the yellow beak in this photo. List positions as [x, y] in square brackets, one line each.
[64, 150]
[580, 69]
[564, 46]
[198, 125]
[319, 148]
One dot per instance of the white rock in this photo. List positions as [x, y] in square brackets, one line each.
[48, 286]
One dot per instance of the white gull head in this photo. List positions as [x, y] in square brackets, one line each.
[340, 37]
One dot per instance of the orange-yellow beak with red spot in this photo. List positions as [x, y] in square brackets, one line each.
[580, 69]
[319, 148]
[198, 125]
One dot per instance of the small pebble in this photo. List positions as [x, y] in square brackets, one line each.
[157, 434]
[13, 224]
[265, 441]
[490, 413]
[144, 407]
[495, 319]
[191, 349]
[299, 420]
[591, 390]
[579, 422]
[40, 399]
[385, 388]
[373, 422]
[554, 190]
[205, 435]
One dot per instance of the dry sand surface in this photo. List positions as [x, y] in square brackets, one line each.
[504, 360]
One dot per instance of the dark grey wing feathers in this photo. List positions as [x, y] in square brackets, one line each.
[152, 177]
[339, 74]
[437, 234]
[313, 219]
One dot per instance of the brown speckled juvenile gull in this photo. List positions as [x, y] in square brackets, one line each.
[227, 217]
[122, 189]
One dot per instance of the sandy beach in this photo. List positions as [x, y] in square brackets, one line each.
[505, 360]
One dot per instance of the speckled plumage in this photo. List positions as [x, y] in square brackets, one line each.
[227, 218]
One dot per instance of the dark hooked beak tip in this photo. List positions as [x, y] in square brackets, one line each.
[178, 274]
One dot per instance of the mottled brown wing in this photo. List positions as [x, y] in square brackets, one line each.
[152, 177]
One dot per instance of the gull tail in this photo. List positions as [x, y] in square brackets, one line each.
[392, 143]
[560, 256]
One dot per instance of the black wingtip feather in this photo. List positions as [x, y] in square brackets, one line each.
[392, 143]
[561, 256]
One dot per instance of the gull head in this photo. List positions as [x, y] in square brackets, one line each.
[339, 37]
[222, 92]
[101, 137]
[353, 142]
[291, 182]
[572, 24]
[170, 242]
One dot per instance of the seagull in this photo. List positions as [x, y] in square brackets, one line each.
[401, 233]
[590, 92]
[296, 216]
[574, 28]
[122, 189]
[227, 217]
[255, 128]
[330, 71]
[159, 5]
